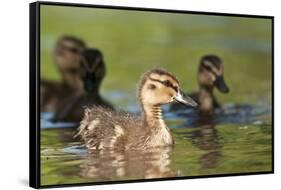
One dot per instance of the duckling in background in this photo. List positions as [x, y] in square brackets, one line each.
[91, 73]
[210, 76]
[104, 129]
[67, 55]
[67, 59]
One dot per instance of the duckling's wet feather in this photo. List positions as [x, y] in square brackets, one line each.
[104, 128]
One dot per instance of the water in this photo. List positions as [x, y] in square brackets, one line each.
[236, 139]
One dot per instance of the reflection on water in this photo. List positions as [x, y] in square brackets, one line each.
[236, 139]
[207, 138]
[153, 163]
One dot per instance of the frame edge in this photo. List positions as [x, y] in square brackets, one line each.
[34, 165]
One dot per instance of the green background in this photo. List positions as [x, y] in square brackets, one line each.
[134, 41]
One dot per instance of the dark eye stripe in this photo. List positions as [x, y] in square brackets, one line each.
[89, 67]
[71, 49]
[211, 70]
[97, 66]
[167, 84]
[214, 73]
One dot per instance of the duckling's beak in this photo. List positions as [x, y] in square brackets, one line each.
[185, 99]
[221, 85]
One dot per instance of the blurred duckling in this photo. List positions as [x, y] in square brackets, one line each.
[67, 59]
[67, 56]
[91, 72]
[210, 76]
[103, 129]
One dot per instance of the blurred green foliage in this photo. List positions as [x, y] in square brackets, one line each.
[134, 41]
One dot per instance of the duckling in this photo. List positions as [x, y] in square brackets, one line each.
[67, 54]
[210, 76]
[67, 59]
[91, 72]
[103, 129]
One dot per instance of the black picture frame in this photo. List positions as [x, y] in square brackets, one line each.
[34, 97]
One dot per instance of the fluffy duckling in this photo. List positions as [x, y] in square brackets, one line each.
[67, 53]
[104, 129]
[67, 59]
[91, 72]
[210, 76]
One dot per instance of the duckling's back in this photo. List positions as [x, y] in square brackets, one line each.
[103, 128]
[51, 94]
[72, 109]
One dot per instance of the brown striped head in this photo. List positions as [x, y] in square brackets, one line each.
[211, 73]
[67, 53]
[92, 69]
[158, 87]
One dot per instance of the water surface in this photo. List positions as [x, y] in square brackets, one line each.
[238, 141]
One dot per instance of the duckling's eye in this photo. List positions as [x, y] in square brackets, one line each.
[151, 86]
[208, 68]
[72, 70]
[74, 50]
[167, 83]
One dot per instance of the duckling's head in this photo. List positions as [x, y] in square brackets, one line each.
[92, 69]
[67, 53]
[158, 87]
[210, 73]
